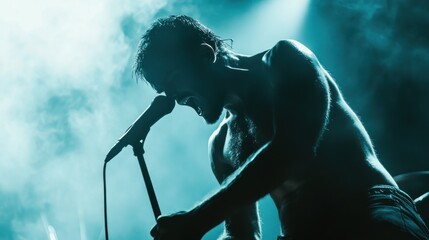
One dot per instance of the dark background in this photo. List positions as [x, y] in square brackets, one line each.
[378, 51]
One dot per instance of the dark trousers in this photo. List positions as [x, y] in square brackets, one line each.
[388, 214]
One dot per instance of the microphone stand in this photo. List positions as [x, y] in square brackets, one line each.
[138, 152]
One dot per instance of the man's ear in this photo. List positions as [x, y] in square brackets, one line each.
[207, 52]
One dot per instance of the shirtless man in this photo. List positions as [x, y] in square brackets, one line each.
[287, 132]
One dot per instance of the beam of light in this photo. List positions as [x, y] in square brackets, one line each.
[268, 22]
[281, 17]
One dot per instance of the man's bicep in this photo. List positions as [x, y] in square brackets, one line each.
[301, 102]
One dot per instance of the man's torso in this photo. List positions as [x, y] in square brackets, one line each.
[345, 161]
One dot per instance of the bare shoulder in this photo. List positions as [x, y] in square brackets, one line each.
[295, 67]
[288, 49]
[301, 93]
[292, 57]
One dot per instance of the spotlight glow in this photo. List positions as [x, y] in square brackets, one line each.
[268, 22]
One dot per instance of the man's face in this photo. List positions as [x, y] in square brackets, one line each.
[193, 82]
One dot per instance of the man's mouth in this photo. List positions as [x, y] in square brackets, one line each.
[193, 103]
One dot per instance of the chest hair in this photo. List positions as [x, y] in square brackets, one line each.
[242, 139]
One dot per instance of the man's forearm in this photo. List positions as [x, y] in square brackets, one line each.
[261, 174]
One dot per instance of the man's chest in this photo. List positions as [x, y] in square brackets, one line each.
[243, 137]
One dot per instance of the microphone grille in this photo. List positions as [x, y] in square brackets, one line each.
[164, 103]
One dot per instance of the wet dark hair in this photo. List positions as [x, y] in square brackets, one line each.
[167, 38]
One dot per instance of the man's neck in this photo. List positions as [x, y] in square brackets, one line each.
[243, 80]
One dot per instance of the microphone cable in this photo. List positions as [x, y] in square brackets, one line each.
[106, 231]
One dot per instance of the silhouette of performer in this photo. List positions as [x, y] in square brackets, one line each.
[287, 132]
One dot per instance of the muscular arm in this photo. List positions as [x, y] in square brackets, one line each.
[300, 110]
[244, 222]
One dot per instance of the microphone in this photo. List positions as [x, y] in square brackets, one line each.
[138, 131]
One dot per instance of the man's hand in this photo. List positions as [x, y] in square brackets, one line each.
[181, 225]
